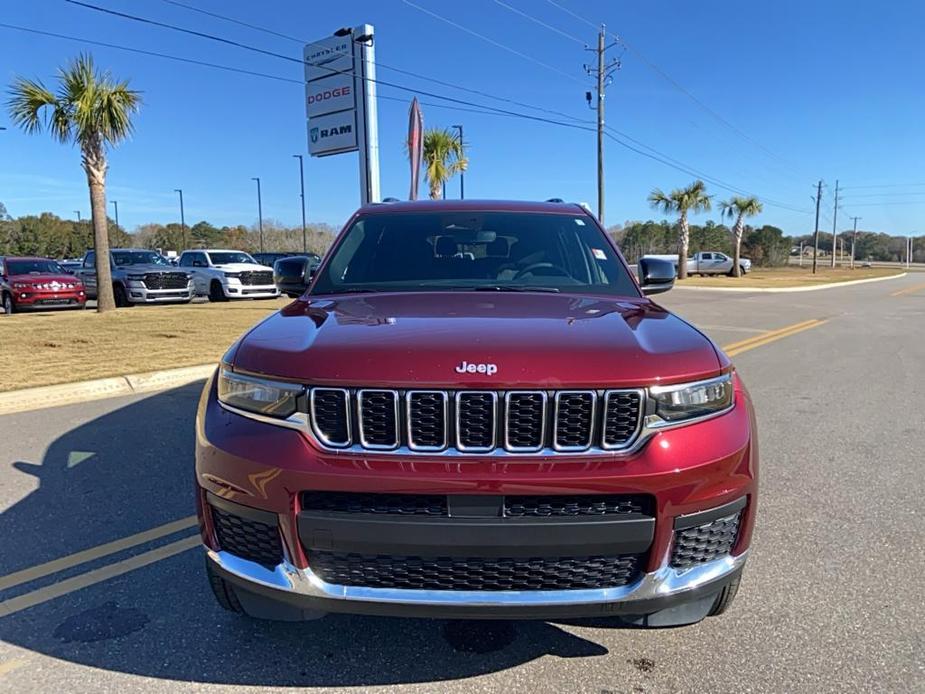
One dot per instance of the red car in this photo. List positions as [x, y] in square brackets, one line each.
[475, 411]
[35, 283]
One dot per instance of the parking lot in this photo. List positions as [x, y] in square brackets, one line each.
[832, 599]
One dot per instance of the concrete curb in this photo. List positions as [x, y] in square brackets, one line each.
[84, 391]
[782, 290]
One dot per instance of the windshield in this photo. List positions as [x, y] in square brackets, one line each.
[227, 257]
[138, 258]
[491, 251]
[34, 267]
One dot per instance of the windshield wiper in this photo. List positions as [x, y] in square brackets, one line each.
[513, 288]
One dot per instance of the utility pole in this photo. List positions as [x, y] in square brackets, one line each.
[816, 230]
[259, 213]
[182, 218]
[462, 186]
[801, 254]
[78, 216]
[604, 74]
[854, 237]
[834, 222]
[302, 184]
[115, 204]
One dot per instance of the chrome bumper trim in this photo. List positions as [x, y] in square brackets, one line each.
[664, 582]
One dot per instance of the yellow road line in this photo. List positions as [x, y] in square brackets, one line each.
[771, 336]
[104, 573]
[908, 290]
[765, 334]
[11, 665]
[40, 570]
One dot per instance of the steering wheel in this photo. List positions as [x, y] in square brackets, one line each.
[556, 270]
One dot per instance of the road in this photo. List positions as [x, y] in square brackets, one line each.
[833, 598]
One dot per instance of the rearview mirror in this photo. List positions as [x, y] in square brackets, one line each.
[655, 275]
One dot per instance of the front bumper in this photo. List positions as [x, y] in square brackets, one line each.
[30, 299]
[138, 293]
[236, 290]
[690, 474]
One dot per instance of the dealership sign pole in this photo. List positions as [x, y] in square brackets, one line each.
[340, 102]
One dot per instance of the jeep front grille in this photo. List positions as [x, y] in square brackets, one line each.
[476, 421]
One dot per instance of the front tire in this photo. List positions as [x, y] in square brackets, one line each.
[120, 296]
[725, 597]
[216, 293]
[223, 591]
[8, 307]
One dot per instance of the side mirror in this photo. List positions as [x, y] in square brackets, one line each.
[655, 275]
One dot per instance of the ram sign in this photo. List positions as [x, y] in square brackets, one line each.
[332, 133]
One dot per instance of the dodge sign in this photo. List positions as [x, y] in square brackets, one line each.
[329, 95]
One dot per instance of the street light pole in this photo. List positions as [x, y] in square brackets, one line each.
[78, 216]
[816, 228]
[302, 195]
[259, 212]
[115, 204]
[462, 185]
[182, 218]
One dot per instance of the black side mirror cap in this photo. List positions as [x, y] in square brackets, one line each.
[655, 275]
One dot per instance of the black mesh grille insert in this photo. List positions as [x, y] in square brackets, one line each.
[246, 538]
[329, 415]
[475, 418]
[257, 277]
[427, 419]
[393, 504]
[574, 420]
[705, 542]
[577, 505]
[166, 280]
[525, 415]
[378, 418]
[446, 573]
[621, 418]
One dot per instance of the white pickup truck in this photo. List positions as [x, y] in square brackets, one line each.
[707, 263]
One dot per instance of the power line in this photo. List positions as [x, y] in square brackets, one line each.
[232, 20]
[884, 195]
[664, 159]
[677, 85]
[892, 202]
[533, 19]
[887, 185]
[493, 42]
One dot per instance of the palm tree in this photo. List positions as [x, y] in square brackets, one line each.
[444, 157]
[740, 208]
[692, 199]
[92, 110]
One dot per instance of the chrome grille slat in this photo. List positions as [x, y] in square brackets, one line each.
[426, 414]
[377, 414]
[476, 420]
[622, 418]
[524, 421]
[330, 416]
[573, 428]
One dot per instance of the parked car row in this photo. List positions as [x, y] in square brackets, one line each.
[141, 276]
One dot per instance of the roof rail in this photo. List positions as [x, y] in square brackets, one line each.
[555, 200]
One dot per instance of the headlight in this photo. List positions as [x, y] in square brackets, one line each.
[136, 278]
[258, 395]
[232, 274]
[689, 400]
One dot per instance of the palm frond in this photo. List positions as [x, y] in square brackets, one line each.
[29, 99]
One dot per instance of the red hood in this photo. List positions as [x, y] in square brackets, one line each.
[418, 340]
[42, 278]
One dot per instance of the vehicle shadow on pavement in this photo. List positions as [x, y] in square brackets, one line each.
[131, 470]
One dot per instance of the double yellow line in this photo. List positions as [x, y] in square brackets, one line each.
[55, 590]
[771, 336]
[909, 290]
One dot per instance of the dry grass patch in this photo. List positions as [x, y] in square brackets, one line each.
[39, 349]
[791, 276]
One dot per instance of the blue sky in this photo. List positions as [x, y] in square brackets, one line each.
[832, 90]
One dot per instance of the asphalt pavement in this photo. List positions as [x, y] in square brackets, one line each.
[833, 597]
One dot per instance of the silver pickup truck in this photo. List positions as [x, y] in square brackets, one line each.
[139, 276]
[707, 263]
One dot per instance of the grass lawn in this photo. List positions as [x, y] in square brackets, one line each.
[790, 276]
[44, 348]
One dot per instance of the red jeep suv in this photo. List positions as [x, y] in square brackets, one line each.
[32, 283]
[475, 411]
